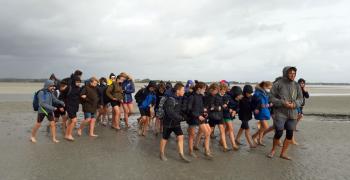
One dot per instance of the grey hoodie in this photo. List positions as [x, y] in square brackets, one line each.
[285, 90]
[47, 99]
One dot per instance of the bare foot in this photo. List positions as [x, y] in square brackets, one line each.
[253, 146]
[69, 138]
[79, 132]
[32, 139]
[255, 140]
[261, 144]
[285, 157]
[238, 142]
[93, 135]
[55, 141]
[295, 143]
[235, 147]
[272, 153]
[194, 155]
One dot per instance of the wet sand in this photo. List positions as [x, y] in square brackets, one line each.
[323, 152]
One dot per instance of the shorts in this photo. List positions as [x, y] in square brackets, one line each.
[287, 124]
[168, 131]
[58, 113]
[226, 120]
[245, 124]
[145, 112]
[213, 123]
[129, 102]
[88, 115]
[72, 114]
[41, 117]
[193, 122]
[115, 103]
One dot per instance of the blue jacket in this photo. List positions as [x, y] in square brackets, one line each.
[261, 102]
[128, 88]
[47, 99]
[150, 99]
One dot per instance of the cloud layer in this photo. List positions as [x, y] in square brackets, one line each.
[182, 39]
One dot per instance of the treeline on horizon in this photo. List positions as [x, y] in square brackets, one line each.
[147, 80]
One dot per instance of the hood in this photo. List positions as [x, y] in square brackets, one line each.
[53, 77]
[48, 83]
[286, 69]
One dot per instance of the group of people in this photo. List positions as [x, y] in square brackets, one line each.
[203, 107]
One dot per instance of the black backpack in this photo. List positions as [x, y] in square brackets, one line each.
[140, 96]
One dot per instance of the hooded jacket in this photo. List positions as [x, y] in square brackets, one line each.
[261, 102]
[73, 96]
[115, 90]
[90, 103]
[47, 99]
[173, 112]
[196, 106]
[286, 90]
[128, 88]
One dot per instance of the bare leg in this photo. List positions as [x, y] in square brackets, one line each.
[53, 131]
[247, 136]
[81, 127]
[238, 137]
[70, 128]
[180, 147]
[162, 149]
[229, 128]
[34, 130]
[126, 114]
[191, 134]
[92, 127]
[223, 137]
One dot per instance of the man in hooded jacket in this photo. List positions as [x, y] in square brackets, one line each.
[286, 96]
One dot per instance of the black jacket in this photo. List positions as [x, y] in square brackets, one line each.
[196, 105]
[73, 98]
[214, 106]
[173, 112]
[245, 112]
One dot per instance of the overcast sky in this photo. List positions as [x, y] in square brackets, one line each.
[176, 39]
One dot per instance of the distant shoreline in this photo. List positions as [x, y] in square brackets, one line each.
[10, 80]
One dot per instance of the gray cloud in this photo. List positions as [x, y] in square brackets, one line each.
[208, 40]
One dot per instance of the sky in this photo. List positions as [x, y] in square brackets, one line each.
[236, 40]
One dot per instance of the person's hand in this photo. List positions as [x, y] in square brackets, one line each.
[201, 118]
[114, 99]
[256, 111]
[271, 104]
[287, 104]
[83, 96]
[225, 106]
[233, 113]
[54, 109]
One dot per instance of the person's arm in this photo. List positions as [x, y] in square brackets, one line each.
[169, 107]
[42, 102]
[109, 91]
[299, 100]
[275, 99]
[306, 94]
[55, 100]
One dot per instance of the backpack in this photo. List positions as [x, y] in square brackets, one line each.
[36, 100]
[161, 112]
[140, 96]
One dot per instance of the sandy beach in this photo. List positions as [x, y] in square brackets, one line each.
[323, 152]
